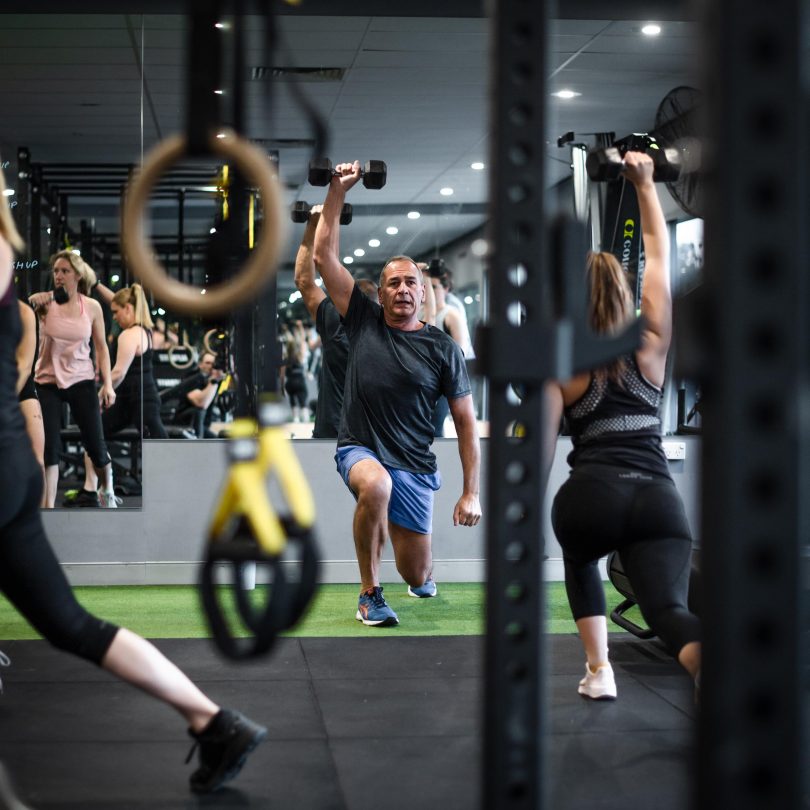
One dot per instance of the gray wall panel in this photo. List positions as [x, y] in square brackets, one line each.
[162, 543]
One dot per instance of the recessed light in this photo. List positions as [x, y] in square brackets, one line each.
[348, 260]
[391, 230]
[212, 230]
[478, 166]
[651, 30]
[446, 191]
[566, 94]
[115, 279]
[219, 92]
[414, 215]
[221, 135]
[161, 311]
[373, 242]
[468, 299]
[359, 252]
[220, 25]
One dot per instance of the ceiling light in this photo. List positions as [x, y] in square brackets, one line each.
[202, 291]
[566, 94]
[213, 230]
[446, 191]
[414, 215]
[479, 247]
[115, 279]
[373, 242]
[219, 92]
[478, 166]
[359, 252]
[348, 260]
[468, 299]
[161, 311]
[221, 135]
[8, 192]
[220, 25]
[392, 230]
[651, 30]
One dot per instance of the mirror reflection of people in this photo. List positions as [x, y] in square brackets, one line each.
[33, 581]
[398, 367]
[137, 401]
[454, 323]
[328, 324]
[293, 371]
[65, 372]
[26, 389]
[620, 495]
[197, 394]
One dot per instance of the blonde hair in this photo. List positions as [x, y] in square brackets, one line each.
[135, 295]
[7, 227]
[611, 302]
[87, 276]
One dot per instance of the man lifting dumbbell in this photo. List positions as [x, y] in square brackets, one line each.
[398, 368]
[374, 173]
[302, 211]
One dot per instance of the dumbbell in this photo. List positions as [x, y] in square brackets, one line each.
[374, 173]
[607, 164]
[300, 212]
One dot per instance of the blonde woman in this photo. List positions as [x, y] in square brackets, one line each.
[69, 321]
[32, 578]
[620, 494]
[137, 400]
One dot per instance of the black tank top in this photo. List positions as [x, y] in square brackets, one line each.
[141, 366]
[619, 424]
[12, 425]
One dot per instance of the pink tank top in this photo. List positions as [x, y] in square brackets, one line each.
[64, 347]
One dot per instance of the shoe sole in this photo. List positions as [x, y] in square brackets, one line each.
[422, 595]
[390, 621]
[232, 769]
[605, 696]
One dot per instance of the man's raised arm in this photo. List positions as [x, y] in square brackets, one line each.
[338, 280]
[305, 266]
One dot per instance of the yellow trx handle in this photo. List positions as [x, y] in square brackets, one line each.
[245, 492]
[276, 454]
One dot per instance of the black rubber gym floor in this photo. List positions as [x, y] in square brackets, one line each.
[354, 723]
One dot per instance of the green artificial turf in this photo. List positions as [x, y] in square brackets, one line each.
[173, 611]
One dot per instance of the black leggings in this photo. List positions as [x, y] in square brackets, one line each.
[601, 508]
[84, 407]
[126, 412]
[296, 388]
[30, 574]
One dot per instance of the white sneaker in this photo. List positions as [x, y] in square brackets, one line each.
[599, 685]
[109, 500]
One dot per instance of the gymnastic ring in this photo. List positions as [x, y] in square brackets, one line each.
[207, 341]
[263, 259]
[176, 347]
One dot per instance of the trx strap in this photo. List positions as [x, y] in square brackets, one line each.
[245, 529]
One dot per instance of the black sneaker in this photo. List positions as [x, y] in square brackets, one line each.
[224, 746]
[81, 497]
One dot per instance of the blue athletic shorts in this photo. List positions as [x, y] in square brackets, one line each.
[411, 504]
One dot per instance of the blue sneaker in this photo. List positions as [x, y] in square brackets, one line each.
[424, 591]
[373, 610]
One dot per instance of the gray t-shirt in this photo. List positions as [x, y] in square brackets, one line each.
[392, 383]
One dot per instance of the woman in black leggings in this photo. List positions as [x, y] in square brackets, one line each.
[620, 494]
[137, 402]
[32, 578]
